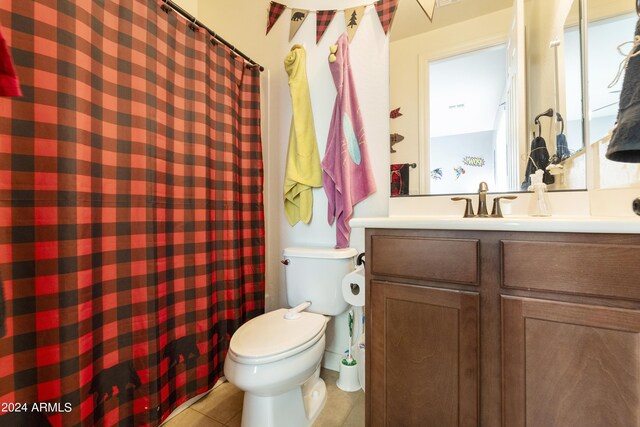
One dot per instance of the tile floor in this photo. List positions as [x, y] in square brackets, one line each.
[223, 407]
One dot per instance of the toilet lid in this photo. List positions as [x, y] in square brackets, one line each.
[270, 337]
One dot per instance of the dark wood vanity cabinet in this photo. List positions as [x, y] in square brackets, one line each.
[423, 308]
[489, 328]
[568, 364]
[417, 331]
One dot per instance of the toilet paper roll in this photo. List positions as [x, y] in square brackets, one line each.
[353, 287]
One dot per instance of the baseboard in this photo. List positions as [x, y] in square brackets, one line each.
[331, 361]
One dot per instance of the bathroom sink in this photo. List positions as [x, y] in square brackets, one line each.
[575, 224]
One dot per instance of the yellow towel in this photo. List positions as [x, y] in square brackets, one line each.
[303, 161]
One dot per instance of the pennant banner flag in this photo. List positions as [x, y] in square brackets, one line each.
[428, 6]
[386, 11]
[275, 10]
[352, 18]
[323, 20]
[297, 18]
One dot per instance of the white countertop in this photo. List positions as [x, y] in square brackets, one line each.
[576, 224]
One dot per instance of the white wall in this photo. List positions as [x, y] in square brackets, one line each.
[190, 6]
[243, 23]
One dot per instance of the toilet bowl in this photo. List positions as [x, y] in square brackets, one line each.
[275, 357]
[276, 361]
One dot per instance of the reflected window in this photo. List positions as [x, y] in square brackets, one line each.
[467, 120]
[572, 125]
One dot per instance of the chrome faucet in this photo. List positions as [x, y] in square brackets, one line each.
[482, 200]
[496, 212]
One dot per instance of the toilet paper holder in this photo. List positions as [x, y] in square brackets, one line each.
[353, 284]
[355, 288]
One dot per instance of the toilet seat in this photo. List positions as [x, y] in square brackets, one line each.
[271, 337]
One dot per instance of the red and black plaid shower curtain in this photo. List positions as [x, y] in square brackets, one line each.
[131, 212]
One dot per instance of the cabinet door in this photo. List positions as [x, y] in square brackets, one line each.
[423, 355]
[569, 365]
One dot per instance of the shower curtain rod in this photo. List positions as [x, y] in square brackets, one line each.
[194, 21]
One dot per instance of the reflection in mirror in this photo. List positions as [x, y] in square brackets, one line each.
[554, 94]
[611, 25]
[466, 119]
[460, 84]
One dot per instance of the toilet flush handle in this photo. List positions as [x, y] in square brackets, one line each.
[294, 313]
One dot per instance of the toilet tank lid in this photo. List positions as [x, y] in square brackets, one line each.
[319, 252]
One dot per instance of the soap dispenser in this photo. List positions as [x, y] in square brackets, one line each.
[539, 205]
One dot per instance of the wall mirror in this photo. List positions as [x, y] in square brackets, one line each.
[611, 25]
[480, 89]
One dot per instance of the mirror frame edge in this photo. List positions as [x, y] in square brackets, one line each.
[591, 161]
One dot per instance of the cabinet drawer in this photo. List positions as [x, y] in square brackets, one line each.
[607, 270]
[430, 259]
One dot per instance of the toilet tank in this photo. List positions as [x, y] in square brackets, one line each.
[315, 275]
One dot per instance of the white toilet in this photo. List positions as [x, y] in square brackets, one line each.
[275, 358]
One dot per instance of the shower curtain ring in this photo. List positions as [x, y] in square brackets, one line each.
[193, 25]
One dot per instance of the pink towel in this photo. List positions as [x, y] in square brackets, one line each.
[9, 85]
[346, 172]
